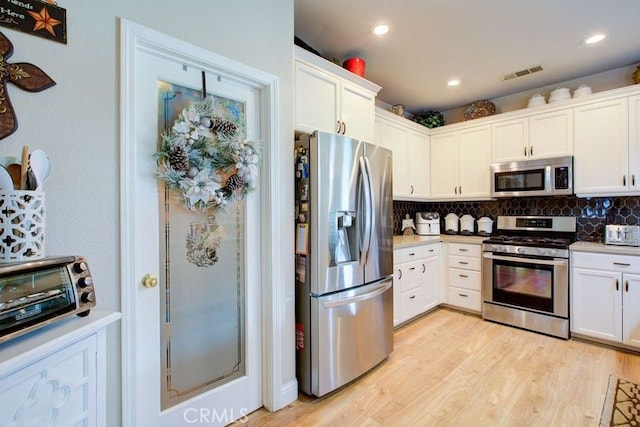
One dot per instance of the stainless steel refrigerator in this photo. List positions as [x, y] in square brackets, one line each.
[344, 260]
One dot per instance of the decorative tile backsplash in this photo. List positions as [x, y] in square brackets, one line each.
[591, 214]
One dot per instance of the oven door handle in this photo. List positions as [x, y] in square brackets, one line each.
[489, 255]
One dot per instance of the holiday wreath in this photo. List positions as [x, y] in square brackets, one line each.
[207, 162]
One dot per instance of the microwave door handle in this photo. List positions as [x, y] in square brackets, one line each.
[358, 298]
[488, 255]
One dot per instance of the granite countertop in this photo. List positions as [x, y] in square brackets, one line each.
[415, 240]
[605, 249]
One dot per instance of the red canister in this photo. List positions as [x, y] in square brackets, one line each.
[355, 65]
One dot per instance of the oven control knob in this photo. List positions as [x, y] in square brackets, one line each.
[88, 297]
[541, 251]
[83, 282]
[80, 267]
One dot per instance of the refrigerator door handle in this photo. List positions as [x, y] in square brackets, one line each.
[366, 242]
[350, 300]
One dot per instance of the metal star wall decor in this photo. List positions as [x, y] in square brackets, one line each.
[25, 76]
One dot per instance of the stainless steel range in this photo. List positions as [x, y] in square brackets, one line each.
[525, 273]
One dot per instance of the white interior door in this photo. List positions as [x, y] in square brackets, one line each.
[196, 336]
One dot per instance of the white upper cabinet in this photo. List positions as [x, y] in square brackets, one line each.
[410, 147]
[538, 136]
[332, 99]
[601, 149]
[634, 143]
[460, 164]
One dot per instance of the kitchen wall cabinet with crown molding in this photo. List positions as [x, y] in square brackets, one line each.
[409, 143]
[332, 99]
[536, 136]
[606, 148]
[605, 297]
[460, 163]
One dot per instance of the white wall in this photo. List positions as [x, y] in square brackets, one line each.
[76, 123]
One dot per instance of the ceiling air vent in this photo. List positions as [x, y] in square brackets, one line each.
[523, 73]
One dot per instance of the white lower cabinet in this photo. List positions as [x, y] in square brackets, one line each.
[464, 276]
[605, 297]
[416, 281]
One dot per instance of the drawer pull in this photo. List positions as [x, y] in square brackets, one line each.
[622, 264]
[464, 276]
[399, 274]
[412, 297]
[412, 254]
[412, 268]
[463, 262]
[463, 250]
[463, 295]
[424, 268]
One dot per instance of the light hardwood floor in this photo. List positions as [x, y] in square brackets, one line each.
[453, 369]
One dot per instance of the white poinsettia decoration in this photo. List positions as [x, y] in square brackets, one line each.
[206, 159]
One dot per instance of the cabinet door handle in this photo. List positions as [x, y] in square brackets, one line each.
[617, 285]
[424, 268]
[463, 295]
[460, 189]
[622, 264]
[525, 151]
[624, 180]
[531, 150]
[626, 286]
[633, 179]
[455, 189]
[412, 189]
[399, 274]
[339, 128]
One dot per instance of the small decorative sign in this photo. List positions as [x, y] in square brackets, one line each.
[39, 18]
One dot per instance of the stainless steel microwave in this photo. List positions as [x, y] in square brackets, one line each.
[35, 293]
[540, 177]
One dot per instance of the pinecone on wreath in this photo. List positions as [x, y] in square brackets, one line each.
[223, 126]
[234, 182]
[178, 158]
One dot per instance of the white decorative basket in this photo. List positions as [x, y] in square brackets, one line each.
[22, 221]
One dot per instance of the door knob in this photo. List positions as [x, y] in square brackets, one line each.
[149, 281]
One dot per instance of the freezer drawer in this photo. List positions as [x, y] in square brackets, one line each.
[353, 333]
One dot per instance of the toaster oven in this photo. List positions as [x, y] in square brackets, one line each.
[36, 293]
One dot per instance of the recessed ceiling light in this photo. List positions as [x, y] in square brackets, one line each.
[380, 29]
[594, 38]
[453, 82]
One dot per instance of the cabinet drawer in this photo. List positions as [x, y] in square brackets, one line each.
[411, 304]
[415, 252]
[466, 249]
[611, 262]
[464, 262]
[464, 279]
[464, 298]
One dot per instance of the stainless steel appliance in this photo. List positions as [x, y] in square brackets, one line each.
[344, 260]
[540, 177]
[36, 293]
[525, 273]
[624, 235]
[428, 223]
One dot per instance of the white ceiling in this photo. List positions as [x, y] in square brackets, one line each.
[476, 41]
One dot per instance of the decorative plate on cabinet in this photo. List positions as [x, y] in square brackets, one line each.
[479, 109]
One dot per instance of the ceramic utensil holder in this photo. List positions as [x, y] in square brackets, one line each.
[22, 223]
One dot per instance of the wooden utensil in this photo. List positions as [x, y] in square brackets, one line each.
[24, 167]
[15, 170]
